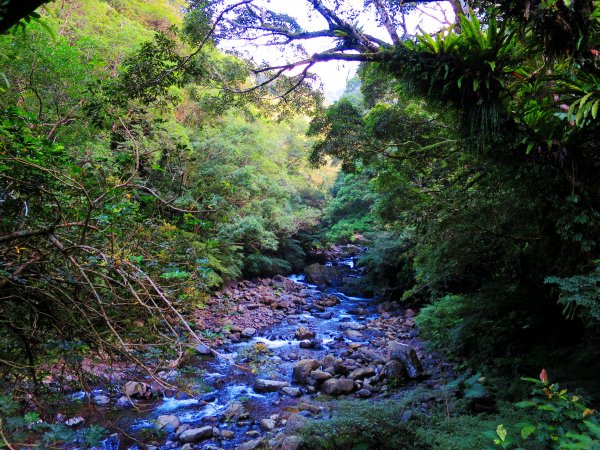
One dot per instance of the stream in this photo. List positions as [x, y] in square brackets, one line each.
[323, 345]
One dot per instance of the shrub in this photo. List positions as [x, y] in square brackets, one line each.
[563, 421]
[361, 425]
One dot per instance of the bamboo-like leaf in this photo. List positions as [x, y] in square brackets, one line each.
[595, 109]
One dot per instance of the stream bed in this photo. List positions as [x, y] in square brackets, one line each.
[267, 381]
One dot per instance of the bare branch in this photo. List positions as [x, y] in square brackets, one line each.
[386, 21]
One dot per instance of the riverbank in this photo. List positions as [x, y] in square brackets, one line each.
[276, 353]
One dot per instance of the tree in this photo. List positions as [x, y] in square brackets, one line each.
[12, 11]
[484, 141]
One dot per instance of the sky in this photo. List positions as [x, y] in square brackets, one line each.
[335, 74]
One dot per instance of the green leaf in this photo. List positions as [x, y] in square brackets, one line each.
[175, 274]
[595, 109]
[31, 417]
[527, 430]
[593, 427]
[501, 432]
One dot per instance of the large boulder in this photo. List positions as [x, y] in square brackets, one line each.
[407, 355]
[356, 287]
[325, 275]
[337, 386]
[303, 368]
[393, 370]
[261, 385]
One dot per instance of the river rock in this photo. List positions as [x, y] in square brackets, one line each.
[101, 399]
[309, 343]
[74, 421]
[168, 423]
[183, 428]
[354, 335]
[352, 326]
[248, 333]
[362, 372]
[407, 355]
[251, 445]
[194, 435]
[303, 333]
[292, 391]
[137, 389]
[328, 301]
[227, 434]
[320, 375]
[267, 424]
[364, 393]
[393, 370]
[291, 443]
[325, 275]
[303, 368]
[337, 386]
[235, 411]
[203, 349]
[261, 385]
[295, 423]
[370, 355]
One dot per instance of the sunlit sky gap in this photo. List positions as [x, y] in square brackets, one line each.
[335, 74]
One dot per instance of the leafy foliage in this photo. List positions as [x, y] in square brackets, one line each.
[579, 291]
[565, 420]
[363, 425]
[132, 184]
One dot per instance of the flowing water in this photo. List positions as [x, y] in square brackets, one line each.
[225, 380]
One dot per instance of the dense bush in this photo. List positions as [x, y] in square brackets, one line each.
[364, 425]
[131, 186]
